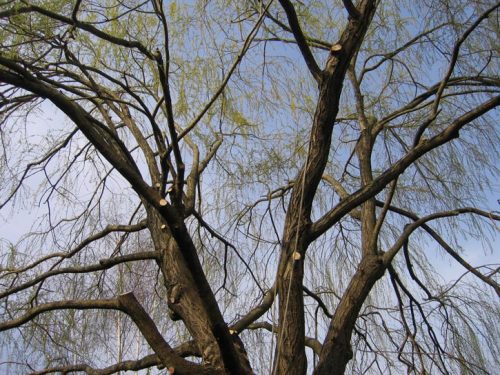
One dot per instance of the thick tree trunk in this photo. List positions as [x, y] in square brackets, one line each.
[291, 357]
[184, 300]
[337, 351]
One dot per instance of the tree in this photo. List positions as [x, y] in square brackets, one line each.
[238, 187]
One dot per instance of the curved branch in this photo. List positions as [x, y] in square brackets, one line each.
[456, 50]
[419, 101]
[105, 304]
[379, 183]
[78, 24]
[410, 228]
[451, 67]
[128, 304]
[256, 312]
[390, 55]
[320, 302]
[145, 362]
[447, 248]
[104, 264]
[110, 146]
[109, 229]
[186, 349]
[115, 152]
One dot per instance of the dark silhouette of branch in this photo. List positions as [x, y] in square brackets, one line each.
[301, 39]
[447, 247]
[410, 228]
[380, 182]
[107, 304]
[351, 9]
[80, 25]
[104, 264]
[451, 67]
[256, 312]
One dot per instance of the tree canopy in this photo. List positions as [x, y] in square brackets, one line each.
[229, 187]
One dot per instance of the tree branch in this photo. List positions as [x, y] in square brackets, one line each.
[256, 312]
[390, 55]
[116, 153]
[129, 304]
[104, 264]
[380, 182]
[351, 9]
[80, 25]
[410, 228]
[293, 21]
[109, 229]
[451, 67]
[446, 247]
[106, 304]
[186, 349]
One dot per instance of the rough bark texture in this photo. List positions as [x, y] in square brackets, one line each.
[296, 233]
[337, 350]
[198, 298]
[185, 301]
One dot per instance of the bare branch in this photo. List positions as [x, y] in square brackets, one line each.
[109, 229]
[106, 304]
[140, 80]
[451, 67]
[293, 21]
[104, 264]
[385, 208]
[129, 304]
[390, 55]
[446, 247]
[391, 253]
[184, 350]
[256, 312]
[454, 56]
[379, 183]
[80, 25]
[351, 9]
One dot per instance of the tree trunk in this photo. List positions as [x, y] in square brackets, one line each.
[185, 301]
[337, 350]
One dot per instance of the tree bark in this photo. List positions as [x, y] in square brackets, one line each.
[337, 351]
[185, 301]
[290, 353]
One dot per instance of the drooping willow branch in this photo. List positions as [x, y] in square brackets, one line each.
[128, 304]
